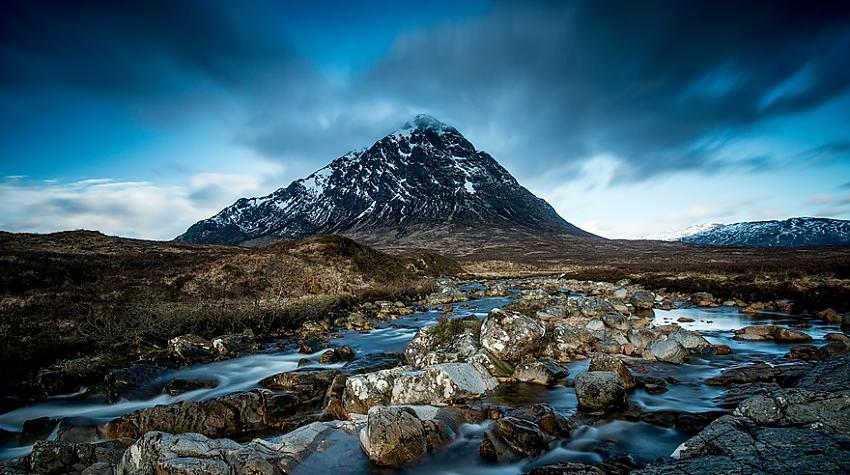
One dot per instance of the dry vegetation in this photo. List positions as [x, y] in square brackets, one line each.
[83, 293]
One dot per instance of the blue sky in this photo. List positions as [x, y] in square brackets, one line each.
[140, 119]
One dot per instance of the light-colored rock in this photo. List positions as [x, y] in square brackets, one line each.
[543, 371]
[510, 336]
[603, 362]
[599, 390]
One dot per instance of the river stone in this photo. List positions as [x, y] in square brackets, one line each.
[314, 440]
[616, 321]
[603, 362]
[52, 457]
[829, 375]
[784, 374]
[191, 348]
[509, 335]
[139, 381]
[771, 332]
[448, 293]
[641, 338]
[370, 389]
[543, 371]
[642, 299]
[666, 349]
[431, 345]
[703, 299]
[830, 316]
[825, 412]
[159, 453]
[510, 438]
[599, 390]
[223, 416]
[566, 343]
[395, 436]
[595, 306]
[692, 341]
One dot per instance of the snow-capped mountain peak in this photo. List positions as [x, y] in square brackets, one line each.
[426, 174]
[682, 233]
[792, 232]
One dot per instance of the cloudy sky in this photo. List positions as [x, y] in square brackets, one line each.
[629, 117]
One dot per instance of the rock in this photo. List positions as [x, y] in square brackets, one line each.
[510, 438]
[599, 390]
[566, 343]
[159, 453]
[395, 436]
[140, 381]
[436, 384]
[224, 416]
[448, 293]
[570, 468]
[543, 371]
[665, 348]
[616, 321]
[594, 306]
[771, 332]
[49, 457]
[733, 396]
[314, 329]
[703, 299]
[309, 384]
[322, 440]
[37, 429]
[448, 341]
[232, 344]
[510, 336]
[620, 294]
[804, 352]
[69, 375]
[824, 412]
[642, 299]
[545, 417]
[691, 341]
[684, 320]
[829, 375]
[733, 444]
[641, 338]
[311, 345]
[784, 374]
[722, 349]
[602, 362]
[191, 348]
[830, 316]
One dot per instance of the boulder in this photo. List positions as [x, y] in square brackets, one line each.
[616, 321]
[510, 438]
[664, 348]
[642, 299]
[703, 299]
[396, 436]
[315, 440]
[830, 316]
[140, 381]
[771, 332]
[824, 412]
[546, 417]
[224, 416]
[543, 371]
[448, 293]
[783, 374]
[448, 341]
[603, 362]
[599, 390]
[191, 348]
[566, 343]
[51, 457]
[232, 344]
[510, 336]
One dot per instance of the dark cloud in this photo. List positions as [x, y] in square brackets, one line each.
[658, 84]
[119, 48]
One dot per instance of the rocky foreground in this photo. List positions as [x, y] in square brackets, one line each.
[792, 417]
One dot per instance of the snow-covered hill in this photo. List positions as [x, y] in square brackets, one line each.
[793, 232]
[423, 175]
[678, 235]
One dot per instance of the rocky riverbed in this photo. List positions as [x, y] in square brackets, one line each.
[541, 375]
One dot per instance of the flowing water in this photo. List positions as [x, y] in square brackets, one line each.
[616, 435]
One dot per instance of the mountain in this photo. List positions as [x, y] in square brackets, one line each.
[682, 233]
[425, 179]
[793, 232]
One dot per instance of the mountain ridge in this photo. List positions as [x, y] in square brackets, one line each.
[791, 232]
[424, 175]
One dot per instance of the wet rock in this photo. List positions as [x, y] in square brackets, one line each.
[191, 348]
[642, 299]
[180, 386]
[691, 341]
[825, 412]
[510, 336]
[139, 381]
[703, 299]
[595, 307]
[804, 352]
[830, 316]
[395, 436]
[69, 375]
[543, 371]
[829, 375]
[224, 416]
[653, 385]
[783, 374]
[436, 384]
[448, 341]
[545, 417]
[510, 438]
[308, 384]
[733, 444]
[668, 349]
[448, 293]
[570, 468]
[722, 349]
[37, 429]
[684, 320]
[735, 395]
[641, 338]
[233, 344]
[566, 343]
[616, 321]
[316, 440]
[158, 453]
[62, 458]
[599, 390]
[602, 362]
[311, 345]
[771, 332]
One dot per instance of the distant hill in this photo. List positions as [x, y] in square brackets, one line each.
[793, 232]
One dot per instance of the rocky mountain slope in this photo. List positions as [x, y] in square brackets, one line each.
[423, 178]
[793, 232]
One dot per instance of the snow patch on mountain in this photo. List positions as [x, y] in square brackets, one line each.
[793, 232]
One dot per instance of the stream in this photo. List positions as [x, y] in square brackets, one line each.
[589, 443]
